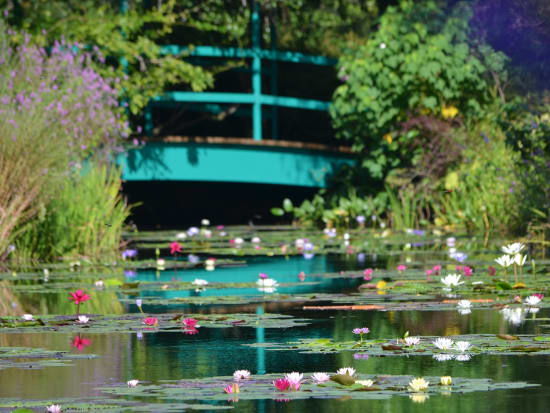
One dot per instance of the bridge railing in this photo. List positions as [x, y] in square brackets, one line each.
[256, 98]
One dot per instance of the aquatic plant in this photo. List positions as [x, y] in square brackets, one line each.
[350, 371]
[281, 384]
[151, 321]
[232, 388]
[132, 383]
[54, 408]
[79, 297]
[452, 280]
[241, 374]
[361, 331]
[175, 247]
[443, 343]
[320, 377]
[446, 380]
[411, 341]
[418, 385]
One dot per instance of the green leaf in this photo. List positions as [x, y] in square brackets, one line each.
[287, 205]
[278, 212]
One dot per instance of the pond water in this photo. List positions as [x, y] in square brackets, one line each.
[107, 359]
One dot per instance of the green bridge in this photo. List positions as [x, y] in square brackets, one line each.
[242, 160]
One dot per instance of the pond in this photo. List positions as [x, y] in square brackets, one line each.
[302, 323]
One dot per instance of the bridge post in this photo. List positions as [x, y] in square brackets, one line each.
[256, 73]
[274, 108]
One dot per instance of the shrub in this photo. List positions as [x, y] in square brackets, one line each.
[56, 112]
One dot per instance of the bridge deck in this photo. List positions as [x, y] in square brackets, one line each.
[220, 159]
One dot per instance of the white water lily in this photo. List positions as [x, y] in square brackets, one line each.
[462, 346]
[132, 383]
[463, 357]
[443, 343]
[267, 282]
[366, 383]
[350, 371]
[452, 280]
[299, 243]
[294, 377]
[504, 260]
[27, 317]
[520, 259]
[99, 284]
[54, 408]
[514, 248]
[256, 240]
[513, 315]
[532, 300]
[411, 341]
[464, 304]
[199, 282]
[443, 357]
[320, 377]
[238, 241]
[418, 385]
[82, 319]
[181, 235]
[241, 374]
[205, 222]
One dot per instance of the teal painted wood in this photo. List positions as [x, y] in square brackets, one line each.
[246, 98]
[159, 161]
[236, 53]
[256, 74]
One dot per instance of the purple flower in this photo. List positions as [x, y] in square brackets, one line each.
[129, 254]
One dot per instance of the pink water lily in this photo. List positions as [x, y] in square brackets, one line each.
[79, 297]
[401, 267]
[281, 384]
[151, 321]
[367, 274]
[175, 247]
[189, 322]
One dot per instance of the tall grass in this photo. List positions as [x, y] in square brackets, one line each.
[84, 219]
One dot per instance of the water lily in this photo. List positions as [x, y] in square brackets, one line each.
[468, 271]
[367, 274]
[446, 380]
[210, 264]
[360, 331]
[238, 241]
[504, 260]
[452, 280]
[256, 240]
[192, 323]
[129, 254]
[79, 297]
[350, 371]
[320, 377]
[54, 408]
[263, 276]
[443, 343]
[295, 380]
[267, 282]
[99, 284]
[151, 321]
[299, 243]
[360, 219]
[401, 267]
[181, 235]
[199, 282]
[82, 319]
[175, 247]
[27, 317]
[514, 248]
[365, 383]
[437, 269]
[205, 222]
[132, 383]
[281, 384]
[231, 388]
[241, 374]
[418, 385]
[302, 276]
[160, 264]
[491, 270]
[207, 233]
[520, 259]
[193, 231]
[462, 346]
[464, 304]
[533, 300]
[428, 272]
[411, 341]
